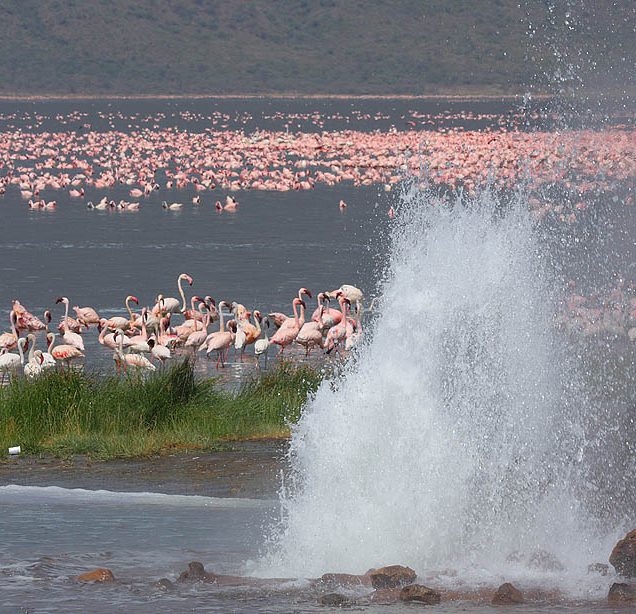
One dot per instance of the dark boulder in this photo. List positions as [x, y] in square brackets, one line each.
[392, 576]
[622, 593]
[623, 556]
[385, 596]
[164, 585]
[196, 573]
[507, 594]
[419, 593]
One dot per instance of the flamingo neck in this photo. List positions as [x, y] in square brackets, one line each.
[182, 293]
[221, 321]
[130, 313]
[296, 320]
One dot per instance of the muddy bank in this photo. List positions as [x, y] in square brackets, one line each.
[245, 469]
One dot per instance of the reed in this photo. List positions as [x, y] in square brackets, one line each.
[65, 413]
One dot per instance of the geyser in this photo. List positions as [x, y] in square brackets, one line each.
[457, 437]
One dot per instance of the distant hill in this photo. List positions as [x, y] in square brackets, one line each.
[304, 46]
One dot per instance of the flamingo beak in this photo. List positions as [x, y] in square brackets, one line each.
[134, 299]
[308, 293]
[59, 300]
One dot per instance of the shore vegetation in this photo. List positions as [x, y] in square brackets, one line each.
[64, 413]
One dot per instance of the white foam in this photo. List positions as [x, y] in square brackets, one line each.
[14, 493]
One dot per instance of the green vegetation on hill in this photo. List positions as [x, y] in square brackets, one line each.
[66, 413]
[181, 47]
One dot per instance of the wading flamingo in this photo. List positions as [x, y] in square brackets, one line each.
[10, 363]
[290, 328]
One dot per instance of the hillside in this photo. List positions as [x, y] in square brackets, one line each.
[301, 46]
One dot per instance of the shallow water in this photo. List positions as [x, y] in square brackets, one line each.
[58, 532]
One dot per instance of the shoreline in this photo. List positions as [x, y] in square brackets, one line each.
[468, 96]
[244, 469]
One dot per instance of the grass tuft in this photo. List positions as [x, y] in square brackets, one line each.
[64, 413]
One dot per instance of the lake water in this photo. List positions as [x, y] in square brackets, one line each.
[260, 256]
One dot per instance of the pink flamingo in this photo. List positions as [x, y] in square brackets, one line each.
[338, 333]
[290, 328]
[8, 341]
[310, 335]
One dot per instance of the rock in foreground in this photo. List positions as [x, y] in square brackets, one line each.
[622, 593]
[507, 594]
[420, 594]
[623, 556]
[392, 576]
[196, 573]
[101, 574]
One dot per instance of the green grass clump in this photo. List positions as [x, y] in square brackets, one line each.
[66, 413]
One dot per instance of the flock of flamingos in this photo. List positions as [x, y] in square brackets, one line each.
[141, 339]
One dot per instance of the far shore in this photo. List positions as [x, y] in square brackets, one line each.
[477, 95]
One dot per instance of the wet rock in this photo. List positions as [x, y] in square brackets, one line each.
[543, 560]
[196, 573]
[623, 556]
[385, 596]
[164, 585]
[420, 594]
[344, 579]
[600, 568]
[622, 593]
[507, 594]
[391, 576]
[335, 600]
[101, 574]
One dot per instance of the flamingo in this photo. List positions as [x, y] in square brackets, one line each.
[310, 335]
[219, 341]
[65, 353]
[329, 317]
[158, 351]
[337, 333]
[48, 362]
[33, 368]
[196, 338]
[11, 363]
[193, 313]
[172, 206]
[230, 204]
[352, 293]
[262, 345]
[69, 337]
[120, 322]
[25, 320]
[172, 305]
[290, 328]
[129, 360]
[86, 315]
[8, 341]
